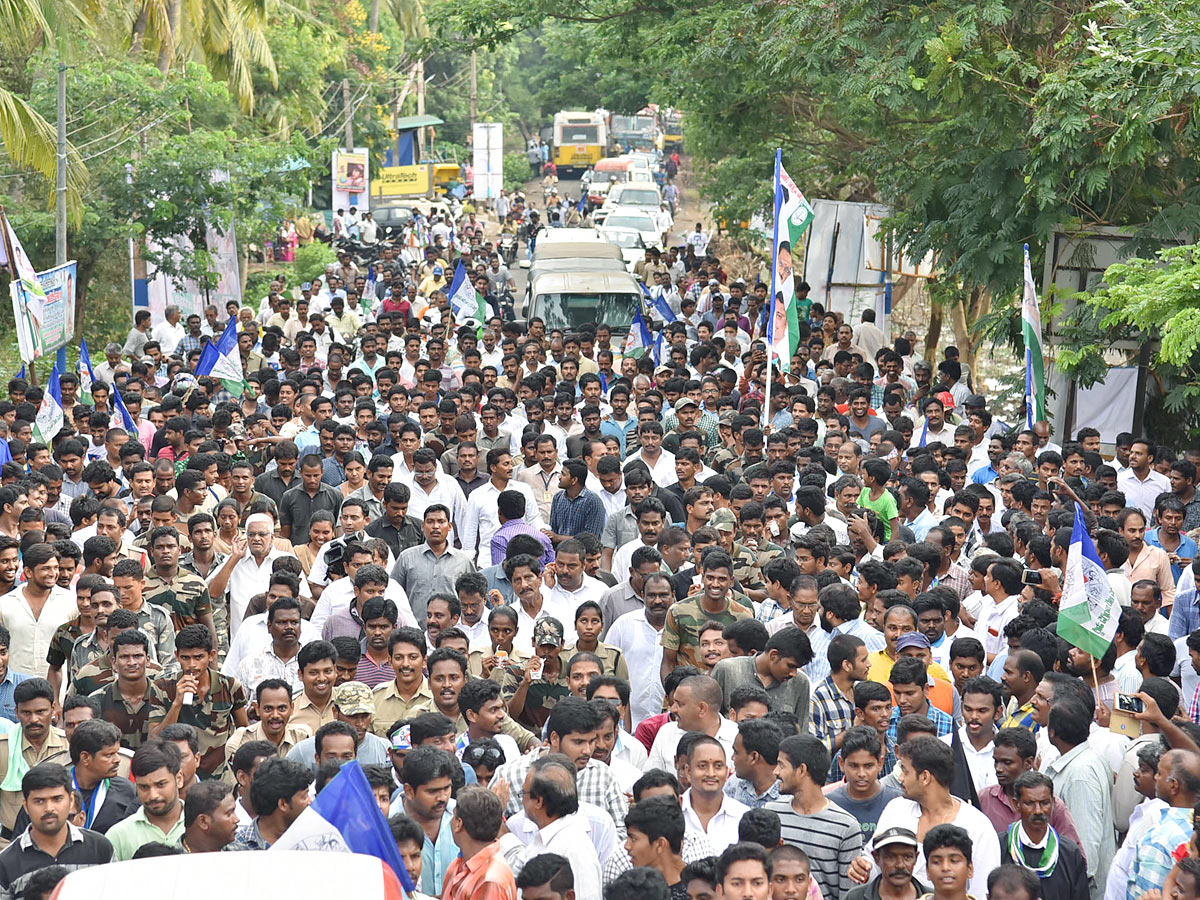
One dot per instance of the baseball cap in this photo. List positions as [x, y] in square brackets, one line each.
[437, 270]
[912, 639]
[548, 631]
[723, 520]
[663, 368]
[685, 401]
[353, 699]
[894, 835]
[947, 399]
[727, 417]
[402, 738]
[976, 400]
[306, 286]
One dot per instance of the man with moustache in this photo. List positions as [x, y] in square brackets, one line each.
[1034, 844]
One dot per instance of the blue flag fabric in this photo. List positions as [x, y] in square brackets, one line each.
[126, 419]
[349, 805]
[660, 304]
[582, 204]
[5, 453]
[924, 434]
[21, 373]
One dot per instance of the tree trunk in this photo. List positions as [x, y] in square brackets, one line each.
[167, 51]
[373, 21]
[934, 332]
[139, 32]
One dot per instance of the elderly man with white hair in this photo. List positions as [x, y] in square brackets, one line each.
[249, 567]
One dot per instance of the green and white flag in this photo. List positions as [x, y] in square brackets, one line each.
[793, 215]
[1088, 613]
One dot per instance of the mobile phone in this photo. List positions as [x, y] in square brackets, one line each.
[1130, 704]
[1031, 576]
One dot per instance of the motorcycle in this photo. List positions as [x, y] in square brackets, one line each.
[508, 248]
[504, 303]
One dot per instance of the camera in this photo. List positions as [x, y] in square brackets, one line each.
[1130, 704]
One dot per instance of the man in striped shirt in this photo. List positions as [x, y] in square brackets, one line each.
[830, 836]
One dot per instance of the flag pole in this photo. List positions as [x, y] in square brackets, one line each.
[16, 281]
[771, 300]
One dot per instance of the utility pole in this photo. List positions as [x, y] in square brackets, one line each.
[421, 107]
[348, 113]
[60, 212]
[474, 93]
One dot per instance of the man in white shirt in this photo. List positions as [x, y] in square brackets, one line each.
[1140, 483]
[1002, 594]
[169, 332]
[572, 586]
[660, 462]
[706, 806]
[481, 520]
[430, 485]
[33, 611]
[695, 706]
[638, 635]
[550, 798]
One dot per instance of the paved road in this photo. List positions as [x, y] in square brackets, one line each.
[533, 193]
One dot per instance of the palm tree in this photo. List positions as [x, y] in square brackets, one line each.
[228, 36]
[30, 141]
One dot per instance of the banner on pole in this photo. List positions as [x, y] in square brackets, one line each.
[57, 328]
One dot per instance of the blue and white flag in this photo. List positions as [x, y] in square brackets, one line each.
[222, 360]
[86, 375]
[659, 303]
[465, 301]
[1088, 614]
[49, 421]
[126, 419]
[582, 204]
[639, 337]
[369, 286]
[345, 818]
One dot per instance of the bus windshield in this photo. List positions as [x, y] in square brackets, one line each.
[570, 311]
[579, 134]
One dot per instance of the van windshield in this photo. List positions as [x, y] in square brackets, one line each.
[638, 197]
[570, 311]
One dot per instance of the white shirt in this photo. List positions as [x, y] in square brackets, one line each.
[623, 558]
[477, 633]
[550, 607]
[639, 641]
[722, 828]
[447, 492]
[168, 335]
[596, 820]
[481, 519]
[662, 754]
[30, 636]
[663, 470]
[338, 596]
[253, 637]
[985, 845]
[590, 589]
[941, 650]
[983, 770]
[1142, 494]
[569, 838]
[247, 579]
[993, 619]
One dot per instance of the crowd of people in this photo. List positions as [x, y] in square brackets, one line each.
[595, 627]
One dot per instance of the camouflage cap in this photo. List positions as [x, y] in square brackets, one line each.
[727, 417]
[353, 699]
[723, 520]
[548, 630]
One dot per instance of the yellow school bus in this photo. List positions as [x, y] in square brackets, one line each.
[580, 140]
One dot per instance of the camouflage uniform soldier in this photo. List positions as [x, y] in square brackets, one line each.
[134, 719]
[217, 704]
[534, 698]
[99, 672]
[183, 594]
[714, 603]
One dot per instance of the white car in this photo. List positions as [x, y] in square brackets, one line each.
[633, 248]
[638, 194]
[628, 218]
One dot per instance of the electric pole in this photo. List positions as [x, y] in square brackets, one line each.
[474, 93]
[60, 212]
[348, 113]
